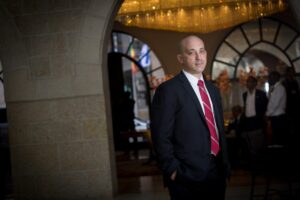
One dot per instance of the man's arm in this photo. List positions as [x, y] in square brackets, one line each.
[162, 126]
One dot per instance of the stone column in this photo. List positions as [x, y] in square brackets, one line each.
[53, 55]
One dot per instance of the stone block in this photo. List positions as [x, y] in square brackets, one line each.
[30, 112]
[35, 6]
[80, 4]
[40, 68]
[65, 21]
[80, 108]
[83, 155]
[88, 79]
[40, 45]
[34, 159]
[59, 5]
[17, 80]
[62, 66]
[66, 43]
[94, 128]
[89, 51]
[93, 26]
[33, 24]
[70, 185]
[54, 88]
[99, 184]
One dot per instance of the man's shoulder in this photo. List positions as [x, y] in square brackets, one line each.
[171, 82]
[211, 85]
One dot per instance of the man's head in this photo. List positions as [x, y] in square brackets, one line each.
[192, 55]
[251, 83]
[274, 77]
[290, 73]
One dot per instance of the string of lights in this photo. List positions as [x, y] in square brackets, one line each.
[195, 15]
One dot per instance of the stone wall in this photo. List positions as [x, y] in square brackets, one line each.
[54, 59]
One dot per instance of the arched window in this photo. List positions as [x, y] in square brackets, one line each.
[141, 70]
[255, 48]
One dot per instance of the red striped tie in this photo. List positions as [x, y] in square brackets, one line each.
[215, 148]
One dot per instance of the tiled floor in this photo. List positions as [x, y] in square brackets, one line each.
[150, 187]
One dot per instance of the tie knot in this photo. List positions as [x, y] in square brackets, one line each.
[200, 83]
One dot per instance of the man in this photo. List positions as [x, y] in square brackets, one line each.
[292, 102]
[276, 109]
[255, 106]
[188, 129]
[253, 125]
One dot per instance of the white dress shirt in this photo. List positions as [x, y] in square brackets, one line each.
[250, 104]
[277, 100]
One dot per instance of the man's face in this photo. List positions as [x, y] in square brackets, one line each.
[251, 84]
[193, 55]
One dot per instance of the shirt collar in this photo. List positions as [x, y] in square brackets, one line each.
[192, 79]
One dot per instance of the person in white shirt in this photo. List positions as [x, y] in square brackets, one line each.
[276, 109]
[255, 106]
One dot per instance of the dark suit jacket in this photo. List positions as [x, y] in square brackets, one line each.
[181, 137]
[261, 102]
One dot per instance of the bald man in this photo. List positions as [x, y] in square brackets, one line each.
[188, 129]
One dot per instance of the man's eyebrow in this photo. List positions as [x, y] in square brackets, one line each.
[192, 49]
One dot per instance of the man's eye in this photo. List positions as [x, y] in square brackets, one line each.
[202, 51]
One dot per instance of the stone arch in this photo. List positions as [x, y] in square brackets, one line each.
[74, 149]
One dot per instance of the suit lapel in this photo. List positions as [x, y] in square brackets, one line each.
[187, 86]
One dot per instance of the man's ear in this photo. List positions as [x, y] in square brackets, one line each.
[180, 58]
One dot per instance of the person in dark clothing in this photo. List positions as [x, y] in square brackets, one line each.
[292, 103]
[126, 124]
[255, 106]
[126, 113]
[187, 129]
[276, 109]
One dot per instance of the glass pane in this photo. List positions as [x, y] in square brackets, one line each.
[121, 42]
[297, 66]
[227, 54]
[219, 68]
[269, 28]
[252, 31]
[237, 40]
[136, 50]
[222, 74]
[134, 83]
[154, 61]
[294, 50]
[251, 65]
[272, 50]
[285, 36]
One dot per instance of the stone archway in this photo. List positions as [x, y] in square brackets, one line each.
[54, 60]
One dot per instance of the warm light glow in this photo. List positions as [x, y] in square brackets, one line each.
[195, 15]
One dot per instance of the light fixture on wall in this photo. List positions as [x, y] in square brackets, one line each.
[195, 15]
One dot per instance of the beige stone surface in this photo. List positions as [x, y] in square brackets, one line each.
[89, 81]
[17, 80]
[34, 159]
[93, 26]
[40, 68]
[52, 57]
[82, 155]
